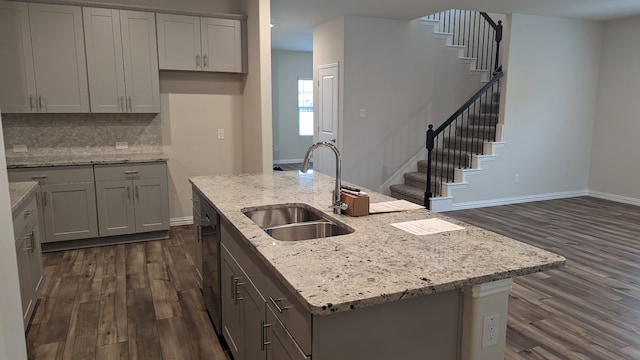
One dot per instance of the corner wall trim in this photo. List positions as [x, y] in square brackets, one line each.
[614, 197]
[187, 220]
[517, 200]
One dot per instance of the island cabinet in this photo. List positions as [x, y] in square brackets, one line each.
[259, 319]
[122, 61]
[199, 43]
[44, 67]
[132, 198]
[28, 254]
[68, 200]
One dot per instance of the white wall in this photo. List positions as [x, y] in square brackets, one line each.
[286, 68]
[549, 99]
[614, 161]
[405, 79]
[194, 107]
[12, 341]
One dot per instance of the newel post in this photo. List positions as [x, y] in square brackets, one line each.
[430, 141]
[498, 40]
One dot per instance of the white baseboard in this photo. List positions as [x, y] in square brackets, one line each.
[616, 198]
[187, 220]
[287, 161]
[515, 200]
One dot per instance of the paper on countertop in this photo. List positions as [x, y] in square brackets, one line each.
[427, 226]
[392, 206]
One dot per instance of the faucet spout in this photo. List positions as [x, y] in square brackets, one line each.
[338, 205]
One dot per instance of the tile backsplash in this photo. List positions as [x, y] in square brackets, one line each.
[86, 134]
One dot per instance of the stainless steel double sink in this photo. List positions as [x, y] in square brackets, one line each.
[295, 221]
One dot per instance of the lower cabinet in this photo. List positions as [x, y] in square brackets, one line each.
[29, 255]
[253, 314]
[68, 200]
[132, 198]
[87, 201]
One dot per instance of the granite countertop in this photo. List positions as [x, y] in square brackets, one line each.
[20, 191]
[75, 159]
[376, 264]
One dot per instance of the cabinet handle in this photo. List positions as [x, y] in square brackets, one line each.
[234, 289]
[121, 104]
[129, 103]
[39, 103]
[30, 103]
[263, 336]
[278, 307]
[131, 172]
[198, 61]
[29, 244]
[27, 213]
[129, 192]
[205, 63]
[44, 199]
[40, 178]
[137, 192]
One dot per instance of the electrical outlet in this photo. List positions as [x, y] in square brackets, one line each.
[491, 330]
[19, 148]
[220, 134]
[516, 179]
[121, 145]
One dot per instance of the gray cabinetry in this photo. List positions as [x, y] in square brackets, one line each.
[122, 60]
[199, 43]
[132, 198]
[68, 200]
[28, 254]
[281, 344]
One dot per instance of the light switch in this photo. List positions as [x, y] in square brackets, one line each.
[362, 113]
[220, 134]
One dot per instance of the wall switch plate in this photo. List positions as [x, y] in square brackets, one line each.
[120, 145]
[363, 113]
[516, 178]
[19, 148]
[276, 148]
[220, 134]
[491, 330]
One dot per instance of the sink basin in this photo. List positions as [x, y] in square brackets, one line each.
[306, 231]
[293, 222]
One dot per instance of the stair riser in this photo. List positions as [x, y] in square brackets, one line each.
[482, 119]
[438, 171]
[423, 186]
[490, 107]
[484, 132]
[458, 160]
[464, 145]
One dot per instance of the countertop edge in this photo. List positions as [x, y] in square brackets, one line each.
[19, 192]
[36, 162]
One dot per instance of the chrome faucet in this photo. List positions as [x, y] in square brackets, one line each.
[338, 205]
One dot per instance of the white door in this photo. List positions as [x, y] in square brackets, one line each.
[328, 82]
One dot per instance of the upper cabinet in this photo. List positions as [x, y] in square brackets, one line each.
[199, 43]
[122, 61]
[43, 59]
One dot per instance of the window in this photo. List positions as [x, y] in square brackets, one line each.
[305, 107]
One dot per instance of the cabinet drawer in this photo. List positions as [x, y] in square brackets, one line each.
[24, 217]
[290, 312]
[53, 175]
[156, 170]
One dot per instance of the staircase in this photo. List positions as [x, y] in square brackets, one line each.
[461, 140]
[458, 147]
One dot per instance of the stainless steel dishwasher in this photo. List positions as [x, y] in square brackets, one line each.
[210, 232]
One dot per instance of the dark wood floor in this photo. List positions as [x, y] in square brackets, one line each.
[141, 301]
[134, 301]
[591, 308]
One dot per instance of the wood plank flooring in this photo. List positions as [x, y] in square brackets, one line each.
[141, 301]
[591, 308]
[134, 301]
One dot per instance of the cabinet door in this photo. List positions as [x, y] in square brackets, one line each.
[17, 77]
[70, 211]
[115, 207]
[151, 205]
[140, 56]
[179, 42]
[281, 345]
[104, 60]
[221, 45]
[26, 290]
[59, 58]
[231, 279]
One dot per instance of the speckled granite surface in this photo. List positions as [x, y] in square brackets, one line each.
[19, 191]
[377, 263]
[74, 159]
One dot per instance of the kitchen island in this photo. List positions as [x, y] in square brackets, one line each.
[377, 291]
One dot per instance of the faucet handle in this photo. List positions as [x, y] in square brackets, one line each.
[341, 205]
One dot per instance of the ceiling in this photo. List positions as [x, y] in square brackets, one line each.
[294, 19]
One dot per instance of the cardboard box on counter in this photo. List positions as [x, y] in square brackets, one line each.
[357, 205]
